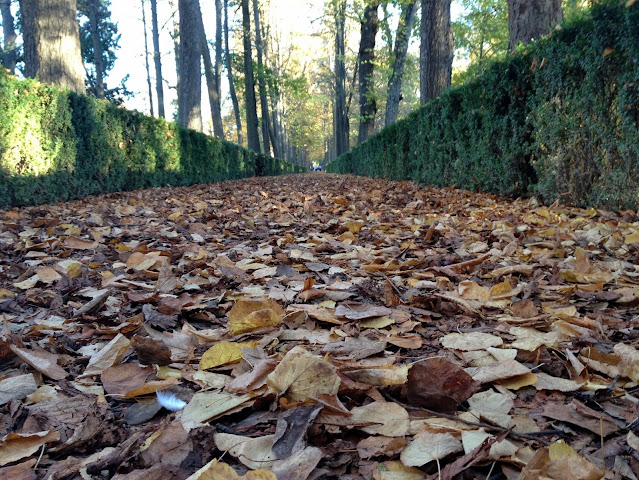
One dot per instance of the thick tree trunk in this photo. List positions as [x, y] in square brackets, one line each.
[401, 48]
[157, 60]
[531, 19]
[146, 59]
[340, 116]
[367, 101]
[93, 8]
[212, 83]
[229, 75]
[49, 28]
[436, 49]
[252, 133]
[190, 81]
[9, 56]
[261, 81]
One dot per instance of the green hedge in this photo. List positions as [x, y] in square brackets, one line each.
[558, 119]
[56, 145]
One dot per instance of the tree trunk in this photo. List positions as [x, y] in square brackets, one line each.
[401, 48]
[218, 67]
[229, 74]
[261, 81]
[93, 9]
[190, 81]
[212, 83]
[159, 88]
[9, 56]
[531, 19]
[367, 101]
[146, 59]
[175, 35]
[252, 133]
[340, 116]
[49, 28]
[436, 49]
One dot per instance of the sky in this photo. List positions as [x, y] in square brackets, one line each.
[294, 18]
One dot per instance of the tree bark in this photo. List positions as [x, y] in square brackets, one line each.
[49, 28]
[436, 49]
[212, 83]
[261, 81]
[402, 38]
[157, 60]
[190, 82]
[93, 10]
[367, 101]
[252, 133]
[146, 59]
[229, 75]
[340, 116]
[218, 67]
[531, 19]
[175, 35]
[9, 55]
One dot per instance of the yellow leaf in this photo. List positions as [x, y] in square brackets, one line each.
[215, 470]
[470, 290]
[250, 314]
[608, 51]
[632, 238]
[223, 353]
[500, 289]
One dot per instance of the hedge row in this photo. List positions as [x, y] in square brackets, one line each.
[56, 145]
[557, 119]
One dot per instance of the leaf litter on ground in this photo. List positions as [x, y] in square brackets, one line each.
[318, 326]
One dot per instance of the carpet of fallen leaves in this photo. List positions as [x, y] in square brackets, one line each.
[315, 327]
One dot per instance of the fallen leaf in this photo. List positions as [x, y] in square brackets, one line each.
[252, 314]
[301, 375]
[437, 384]
[429, 447]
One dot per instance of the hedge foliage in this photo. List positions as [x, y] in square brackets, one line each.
[558, 119]
[56, 145]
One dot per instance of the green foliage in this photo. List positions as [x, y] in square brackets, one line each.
[56, 145]
[109, 41]
[558, 119]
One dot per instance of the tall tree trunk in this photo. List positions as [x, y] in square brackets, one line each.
[190, 82]
[229, 75]
[340, 116]
[218, 67]
[49, 28]
[175, 35]
[146, 59]
[436, 49]
[367, 101]
[261, 80]
[212, 83]
[252, 133]
[9, 56]
[157, 60]
[402, 38]
[93, 8]
[531, 19]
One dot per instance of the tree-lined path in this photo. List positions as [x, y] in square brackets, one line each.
[317, 326]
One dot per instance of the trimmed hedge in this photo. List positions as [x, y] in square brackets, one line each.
[56, 145]
[558, 119]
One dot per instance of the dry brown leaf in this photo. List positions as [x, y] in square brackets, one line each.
[301, 375]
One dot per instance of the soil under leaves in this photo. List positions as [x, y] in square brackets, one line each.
[318, 326]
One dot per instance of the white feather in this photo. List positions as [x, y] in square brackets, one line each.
[170, 401]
